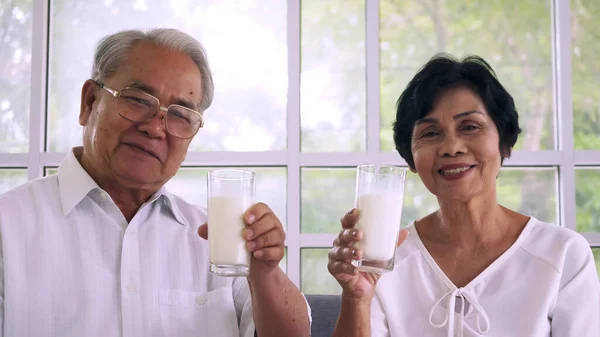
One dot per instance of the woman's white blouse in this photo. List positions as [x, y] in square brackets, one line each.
[544, 285]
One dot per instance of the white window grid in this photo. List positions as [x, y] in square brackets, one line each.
[564, 157]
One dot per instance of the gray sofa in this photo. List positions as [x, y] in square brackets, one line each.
[325, 310]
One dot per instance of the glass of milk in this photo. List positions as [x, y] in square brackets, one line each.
[379, 195]
[230, 194]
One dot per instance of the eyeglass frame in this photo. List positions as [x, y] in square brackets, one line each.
[117, 95]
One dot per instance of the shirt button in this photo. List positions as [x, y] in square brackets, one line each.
[103, 196]
[200, 300]
[131, 288]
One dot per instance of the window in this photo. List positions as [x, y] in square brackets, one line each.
[587, 185]
[326, 193]
[246, 46]
[585, 67]
[529, 190]
[10, 178]
[332, 87]
[515, 39]
[315, 278]
[191, 184]
[306, 90]
[15, 71]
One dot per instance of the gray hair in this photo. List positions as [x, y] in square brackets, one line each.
[111, 51]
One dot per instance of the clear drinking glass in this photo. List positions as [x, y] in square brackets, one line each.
[379, 195]
[230, 194]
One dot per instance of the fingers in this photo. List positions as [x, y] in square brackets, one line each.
[402, 236]
[260, 226]
[256, 212]
[348, 237]
[344, 254]
[272, 238]
[264, 234]
[271, 255]
[341, 267]
[203, 231]
[264, 230]
[350, 218]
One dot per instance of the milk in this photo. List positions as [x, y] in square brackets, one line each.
[225, 224]
[380, 215]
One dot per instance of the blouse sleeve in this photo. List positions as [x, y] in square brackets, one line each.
[577, 310]
[379, 325]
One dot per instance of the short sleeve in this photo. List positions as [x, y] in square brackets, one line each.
[243, 307]
[577, 310]
[379, 325]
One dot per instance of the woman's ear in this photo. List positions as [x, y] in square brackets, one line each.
[506, 152]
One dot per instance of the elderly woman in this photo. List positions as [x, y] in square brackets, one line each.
[473, 267]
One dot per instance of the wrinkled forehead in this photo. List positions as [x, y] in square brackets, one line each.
[453, 101]
[158, 71]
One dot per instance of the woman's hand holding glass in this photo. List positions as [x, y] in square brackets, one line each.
[355, 284]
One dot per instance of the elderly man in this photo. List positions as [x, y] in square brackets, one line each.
[103, 249]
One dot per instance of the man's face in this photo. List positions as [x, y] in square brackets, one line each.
[139, 155]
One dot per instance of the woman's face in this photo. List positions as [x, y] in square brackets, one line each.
[456, 147]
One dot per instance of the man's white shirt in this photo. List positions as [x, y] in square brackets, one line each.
[72, 266]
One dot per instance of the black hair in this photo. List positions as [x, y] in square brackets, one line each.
[444, 72]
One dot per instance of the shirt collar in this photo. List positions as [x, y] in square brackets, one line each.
[170, 200]
[74, 184]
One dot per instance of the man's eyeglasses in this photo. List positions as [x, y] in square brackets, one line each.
[138, 106]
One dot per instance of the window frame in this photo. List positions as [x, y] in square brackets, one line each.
[564, 157]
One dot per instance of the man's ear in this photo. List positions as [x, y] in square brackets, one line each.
[88, 97]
